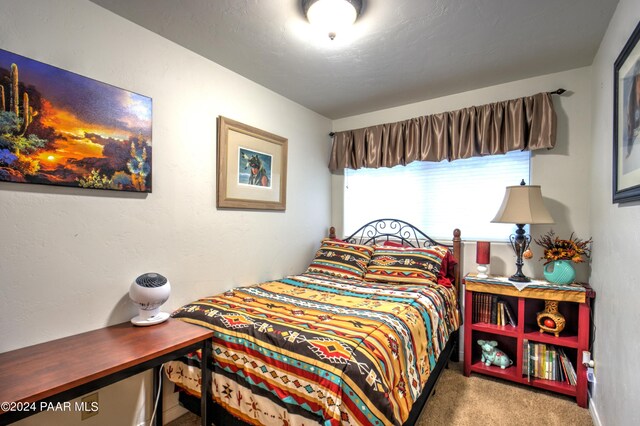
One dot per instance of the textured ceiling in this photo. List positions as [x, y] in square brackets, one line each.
[398, 51]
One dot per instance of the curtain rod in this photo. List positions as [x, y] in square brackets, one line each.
[559, 91]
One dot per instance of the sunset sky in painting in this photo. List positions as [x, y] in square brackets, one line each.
[84, 113]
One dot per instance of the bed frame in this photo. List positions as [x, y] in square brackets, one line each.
[375, 232]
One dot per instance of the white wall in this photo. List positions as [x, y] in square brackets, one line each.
[560, 171]
[615, 230]
[67, 256]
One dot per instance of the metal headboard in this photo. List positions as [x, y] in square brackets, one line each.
[381, 230]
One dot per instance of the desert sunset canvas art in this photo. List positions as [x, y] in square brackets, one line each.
[60, 128]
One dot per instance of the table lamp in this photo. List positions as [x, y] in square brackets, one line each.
[483, 258]
[522, 205]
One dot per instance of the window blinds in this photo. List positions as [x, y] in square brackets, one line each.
[437, 197]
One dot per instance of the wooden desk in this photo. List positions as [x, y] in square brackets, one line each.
[66, 368]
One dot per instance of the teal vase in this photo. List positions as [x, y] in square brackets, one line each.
[560, 272]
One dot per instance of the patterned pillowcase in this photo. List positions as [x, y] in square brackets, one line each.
[341, 259]
[414, 265]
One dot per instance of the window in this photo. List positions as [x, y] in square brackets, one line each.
[437, 197]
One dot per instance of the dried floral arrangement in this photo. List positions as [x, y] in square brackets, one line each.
[573, 249]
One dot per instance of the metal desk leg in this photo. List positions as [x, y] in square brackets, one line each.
[205, 389]
[157, 380]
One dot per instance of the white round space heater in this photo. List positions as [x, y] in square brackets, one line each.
[149, 291]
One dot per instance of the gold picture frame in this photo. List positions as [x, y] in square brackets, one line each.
[252, 167]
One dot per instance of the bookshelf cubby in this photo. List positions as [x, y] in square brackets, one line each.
[575, 306]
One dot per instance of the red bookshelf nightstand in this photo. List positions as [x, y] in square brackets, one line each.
[575, 305]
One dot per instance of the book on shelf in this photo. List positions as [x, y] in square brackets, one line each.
[480, 307]
[494, 314]
[571, 372]
[546, 362]
[525, 359]
[486, 317]
[530, 362]
[485, 308]
[505, 316]
[491, 309]
[510, 315]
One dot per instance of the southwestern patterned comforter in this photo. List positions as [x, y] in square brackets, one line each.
[311, 349]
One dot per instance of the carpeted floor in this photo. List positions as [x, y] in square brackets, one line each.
[480, 400]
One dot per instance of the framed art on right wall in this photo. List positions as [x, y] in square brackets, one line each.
[626, 122]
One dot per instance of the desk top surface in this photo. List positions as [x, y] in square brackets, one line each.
[40, 371]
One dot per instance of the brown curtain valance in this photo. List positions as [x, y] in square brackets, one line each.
[519, 124]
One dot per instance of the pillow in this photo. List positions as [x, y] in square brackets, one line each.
[393, 244]
[341, 259]
[414, 265]
[447, 273]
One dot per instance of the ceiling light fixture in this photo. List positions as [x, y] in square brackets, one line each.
[331, 16]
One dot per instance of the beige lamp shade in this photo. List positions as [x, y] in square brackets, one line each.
[523, 204]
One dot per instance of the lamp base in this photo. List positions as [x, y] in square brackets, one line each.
[482, 271]
[519, 278]
[520, 243]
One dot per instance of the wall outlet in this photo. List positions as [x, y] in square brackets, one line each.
[88, 406]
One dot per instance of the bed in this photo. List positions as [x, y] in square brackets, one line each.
[359, 338]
